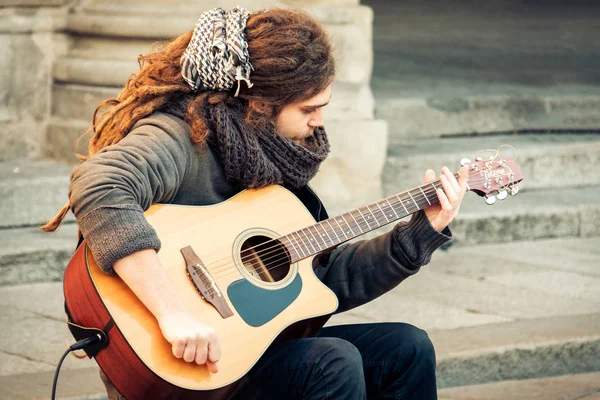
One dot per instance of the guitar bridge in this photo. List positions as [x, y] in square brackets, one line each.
[204, 283]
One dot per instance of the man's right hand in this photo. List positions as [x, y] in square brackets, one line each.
[191, 339]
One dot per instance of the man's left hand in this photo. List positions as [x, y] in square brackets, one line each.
[441, 214]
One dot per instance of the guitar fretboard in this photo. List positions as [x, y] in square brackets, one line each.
[333, 231]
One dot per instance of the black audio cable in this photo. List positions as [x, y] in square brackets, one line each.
[82, 344]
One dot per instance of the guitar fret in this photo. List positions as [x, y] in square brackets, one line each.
[380, 209]
[314, 238]
[426, 198]
[401, 202]
[326, 233]
[308, 240]
[357, 224]
[392, 207]
[434, 188]
[363, 217]
[344, 218]
[374, 217]
[301, 241]
[413, 199]
[298, 246]
[346, 236]
[320, 241]
[290, 246]
[333, 230]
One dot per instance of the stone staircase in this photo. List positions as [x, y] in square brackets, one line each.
[440, 107]
[451, 81]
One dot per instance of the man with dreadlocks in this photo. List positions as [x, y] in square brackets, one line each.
[237, 104]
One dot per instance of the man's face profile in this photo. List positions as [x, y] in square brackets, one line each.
[297, 121]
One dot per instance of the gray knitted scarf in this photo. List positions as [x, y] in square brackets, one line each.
[254, 158]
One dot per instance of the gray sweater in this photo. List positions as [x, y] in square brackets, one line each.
[157, 163]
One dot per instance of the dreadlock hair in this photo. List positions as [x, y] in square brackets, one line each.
[292, 59]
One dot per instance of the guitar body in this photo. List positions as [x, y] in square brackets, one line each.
[263, 300]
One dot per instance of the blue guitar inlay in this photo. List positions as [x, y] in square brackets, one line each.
[256, 305]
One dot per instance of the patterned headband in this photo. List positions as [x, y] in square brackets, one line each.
[217, 55]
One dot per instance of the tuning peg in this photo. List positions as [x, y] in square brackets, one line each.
[464, 162]
[514, 189]
[502, 194]
[490, 200]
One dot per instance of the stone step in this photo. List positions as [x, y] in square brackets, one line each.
[65, 138]
[29, 255]
[530, 215]
[31, 193]
[78, 101]
[517, 350]
[73, 384]
[94, 72]
[571, 386]
[502, 311]
[349, 25]
[546, 160]
[453, 70]
[424, 117]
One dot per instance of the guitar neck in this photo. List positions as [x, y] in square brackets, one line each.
[331, 232]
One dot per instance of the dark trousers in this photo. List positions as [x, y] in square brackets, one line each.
[363, 361]
[374, 361]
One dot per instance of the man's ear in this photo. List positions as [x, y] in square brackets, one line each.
[261, 107]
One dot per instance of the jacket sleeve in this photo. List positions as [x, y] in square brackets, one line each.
[360, 272]
[110, 191]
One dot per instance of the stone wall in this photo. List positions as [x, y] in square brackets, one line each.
[28, 47]
[64, 59]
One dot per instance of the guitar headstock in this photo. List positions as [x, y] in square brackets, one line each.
[493, 174]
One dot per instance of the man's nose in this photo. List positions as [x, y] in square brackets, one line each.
[316, 119]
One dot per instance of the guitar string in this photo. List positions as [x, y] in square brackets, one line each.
[381, 220]
[280, 245]
[325, 232]
[281, 260]
[477, 173]
[268, 266]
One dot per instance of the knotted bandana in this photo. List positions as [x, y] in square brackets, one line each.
[217, 55]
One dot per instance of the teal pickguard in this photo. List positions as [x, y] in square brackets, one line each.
[256, 305]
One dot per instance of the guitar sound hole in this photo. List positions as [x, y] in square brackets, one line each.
[265, 259]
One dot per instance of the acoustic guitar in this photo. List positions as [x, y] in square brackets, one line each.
[245, 268]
